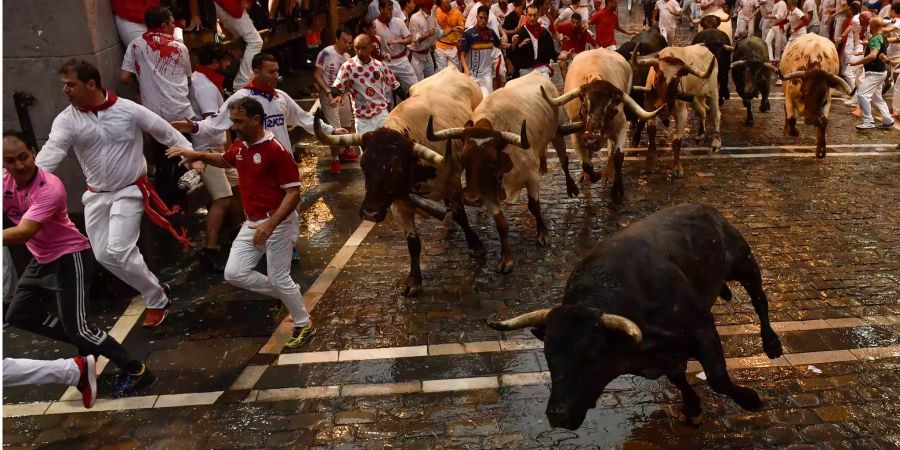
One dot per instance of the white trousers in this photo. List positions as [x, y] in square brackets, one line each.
[745, 28]
[244, 28]
[775, 42]
[869, 95]
[541, 69]
[113, 225]
[445, 57]
[423, 65]
[795, 36]
[128, 30]
[838, 28]
[852, 73]
[486, 82]
[764, 26]
[895, 102]
[18, 372]
[404, 72]
[366, 124]
[10, 277]
[278, 249]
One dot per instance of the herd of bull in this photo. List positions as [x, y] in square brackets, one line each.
[640, 303]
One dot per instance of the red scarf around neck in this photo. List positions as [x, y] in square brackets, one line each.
[260, 87]
[108, 101]
[213, 76]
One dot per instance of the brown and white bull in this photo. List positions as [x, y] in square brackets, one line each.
[679, 77]
[809, 67]
[399, 162]
[597, 89]
[505, 149]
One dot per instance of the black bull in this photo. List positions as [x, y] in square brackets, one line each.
[751, 73]
[719, 45]
[640, 304]
[646, 42]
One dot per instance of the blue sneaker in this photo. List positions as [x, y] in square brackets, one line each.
[129, 383]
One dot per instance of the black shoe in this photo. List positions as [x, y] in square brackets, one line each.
[167, 289]
[129, 383]
[211, 259]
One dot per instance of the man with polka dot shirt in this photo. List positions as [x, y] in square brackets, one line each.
[370, 84]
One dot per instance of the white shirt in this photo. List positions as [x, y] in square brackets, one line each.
[794, 18]
[493, 23]
[329, 60]
[419, 24]
[206, 99]
[826, 4]
[370, 86]
[747, 9]
[667, 13]
[565, 14]
[779, 12]
[109, 145]
[809, 7]
[281, 111]
[500, 13]
[162, 66]
[373, 11]
[394, 31]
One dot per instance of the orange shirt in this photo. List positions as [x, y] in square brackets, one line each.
[448, 20]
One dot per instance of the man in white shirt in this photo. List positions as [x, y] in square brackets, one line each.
[746, 18]
[395, 36]
[374, 10]
[424, 28]
[796, 20]
[281, 110]
[206, 97]
[232, 14]
[501, 9]
[775, 35]
[669, 11]
[105, 133]
[328, 63]
[826, 18]
[841, 9]
[812, 11]
[369, 83]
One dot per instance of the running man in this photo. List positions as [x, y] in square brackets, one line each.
[80, 371]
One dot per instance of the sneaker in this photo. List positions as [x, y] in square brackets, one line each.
[851, 101]
[211, 259]
[335, 166]
[349, 155]
[301, 336]
[129, 383]
[156, 316]
[87, 381]
[865, 126]
[856, 112]
[886, 126]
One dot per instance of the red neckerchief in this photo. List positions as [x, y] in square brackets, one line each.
[213, 76]
[261, 89]
[535, 29]
[107, 102]
[159, 41]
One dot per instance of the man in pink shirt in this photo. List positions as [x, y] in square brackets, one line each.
[51, 296]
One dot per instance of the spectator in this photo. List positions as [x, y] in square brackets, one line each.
[371, 93]
[498, 64]
[533, 47]
[669, 11]
[826, 18]
[424, 29]
[112, 159]
[775, 35]
[514, 22]
[328, 63]
[501, 9]
[51, 296]
[451, 22]
[206, 98]
[606, 23]
[395, 36]
[812, 11]
[573, 37]
[853, 48]
[233, 16]
[367, 27]
[478, 44]
[796, 21]
[270, 192]
[869, 92]
[374, 10]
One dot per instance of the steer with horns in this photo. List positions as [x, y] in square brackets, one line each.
[679, 76]
[751, 72]
[809, 67]
[597, 89]
[640, 304]
[402, 166]
[505, 149]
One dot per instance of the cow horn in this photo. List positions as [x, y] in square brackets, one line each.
[772, 67]
[335, 140]
[562, 99]
[634, 54]
[519, 140]
[640, 89]
[703, 75]
[423, 152]
[839, 82]
[614, 322]
[739, 63]
[648, 62]
[570, 128]
[529, 319]
[794, 75]
[641, 112]
[443, 135]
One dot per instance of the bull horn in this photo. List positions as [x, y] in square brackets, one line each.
[703, 75]
[619, 323]
[570, 128]
[334, 140]
[839, 82]
[640, 89]
[423, 152]
[641, 112]
[443, 135]
[648, 62]
[519, 140]
[772, 67]
[740, 63]
[562, 99]
[634, 54]
[794, 75]
[529, 319]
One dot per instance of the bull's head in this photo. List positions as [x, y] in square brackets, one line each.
[710, 21]
[665, 88]
[482, 157]
[815, 93]
[585, 350]
[601, 106]
[388, 162]
[754, 74]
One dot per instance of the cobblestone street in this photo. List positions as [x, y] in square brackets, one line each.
[388, 371]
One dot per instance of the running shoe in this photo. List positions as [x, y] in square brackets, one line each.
[865, 126]
[156, 316]
[300, 336]
[886, 126]
[335, 166]
[349, 155]
[87, 381]
[129, 383]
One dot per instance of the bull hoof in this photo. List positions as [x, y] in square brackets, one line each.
[505, 265]
[772, 345]
[820, 153]
[793, 132]
[543, 238]
[571, 188]
[477, 251]
[412, 290]
[694, 421]
[747, 398]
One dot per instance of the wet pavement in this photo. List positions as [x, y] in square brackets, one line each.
[387, 371]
